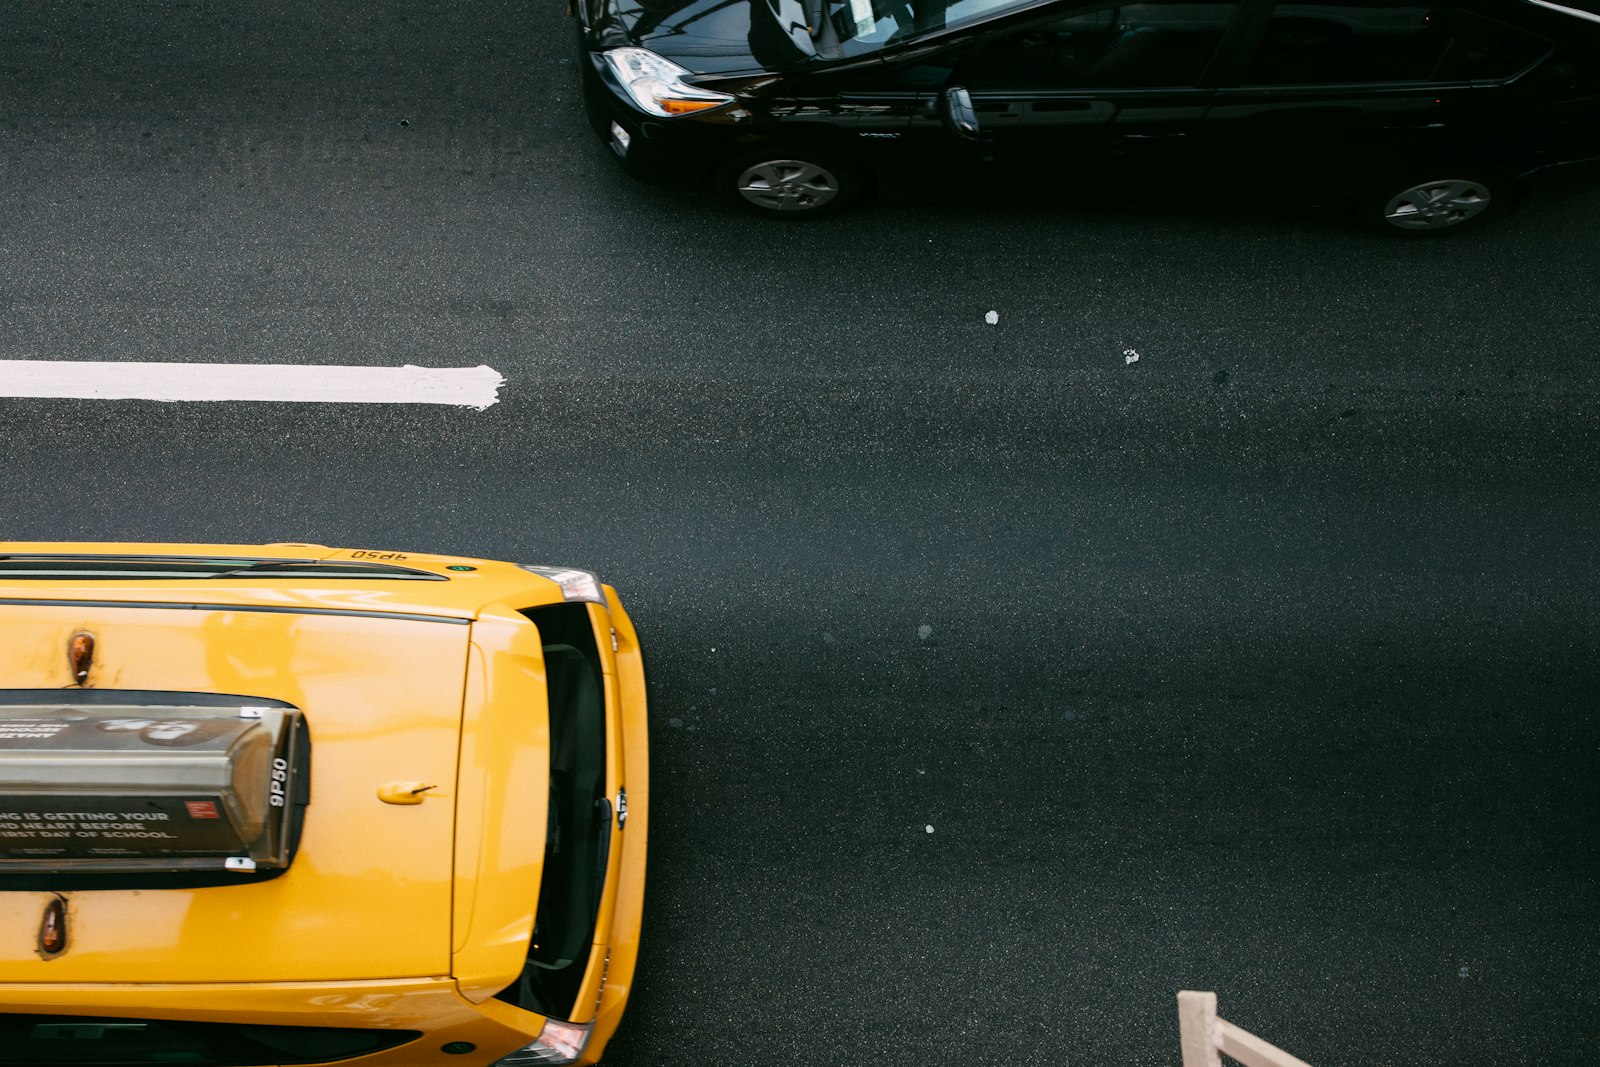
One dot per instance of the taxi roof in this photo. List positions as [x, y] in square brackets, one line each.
[382, 668]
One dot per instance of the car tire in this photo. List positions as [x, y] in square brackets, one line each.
[791, 183]
[1449, 203]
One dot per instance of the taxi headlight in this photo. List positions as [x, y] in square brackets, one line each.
[575, 584]
[657, 84]
[559, 1042]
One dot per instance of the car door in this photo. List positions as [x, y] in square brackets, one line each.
[1099, 102]
[1336, 96]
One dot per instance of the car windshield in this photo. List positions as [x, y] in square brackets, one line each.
[879, 22]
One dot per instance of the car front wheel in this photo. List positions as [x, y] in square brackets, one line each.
[1442, 205]
[791, 184]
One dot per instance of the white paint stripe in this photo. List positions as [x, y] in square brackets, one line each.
[473, 387]
[1590, 15]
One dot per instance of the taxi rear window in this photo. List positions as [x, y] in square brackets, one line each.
[88, 1041]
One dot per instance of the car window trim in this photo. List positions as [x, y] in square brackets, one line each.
[1538, 61]
[1588, 16]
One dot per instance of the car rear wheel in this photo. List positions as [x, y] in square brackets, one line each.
[1441, 205]
[791, 184]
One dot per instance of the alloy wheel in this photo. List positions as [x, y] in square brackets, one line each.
[788, 185]
[1437, 205]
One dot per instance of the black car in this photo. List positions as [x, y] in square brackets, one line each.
[1425, 117]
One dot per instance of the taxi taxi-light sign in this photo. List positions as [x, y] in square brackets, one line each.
[139, 788]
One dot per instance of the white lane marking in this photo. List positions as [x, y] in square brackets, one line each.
[473, 387]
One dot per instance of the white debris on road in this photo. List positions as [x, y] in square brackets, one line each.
[1129, 356]
[992, 317]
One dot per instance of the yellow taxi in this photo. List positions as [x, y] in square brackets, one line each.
[289, 804]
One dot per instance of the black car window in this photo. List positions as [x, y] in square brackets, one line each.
[1165, 44]
[1350, 42]
[1492, 50]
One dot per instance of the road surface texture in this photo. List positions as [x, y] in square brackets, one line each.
[1003, 685]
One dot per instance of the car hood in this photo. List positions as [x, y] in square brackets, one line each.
[712, 37]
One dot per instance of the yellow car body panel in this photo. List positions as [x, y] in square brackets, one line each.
[432, 1006]
[407, 916]
[627, 906]
[501, 813]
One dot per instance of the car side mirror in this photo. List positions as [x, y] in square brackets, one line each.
[960, 117]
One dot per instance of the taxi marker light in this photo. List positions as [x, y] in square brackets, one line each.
[559, 1042]
[575, 584]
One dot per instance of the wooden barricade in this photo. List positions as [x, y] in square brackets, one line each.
[1207, 1038]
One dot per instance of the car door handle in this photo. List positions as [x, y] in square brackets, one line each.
[1153, 137]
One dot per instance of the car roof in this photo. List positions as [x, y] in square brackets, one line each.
[382, 698]
[389, 677]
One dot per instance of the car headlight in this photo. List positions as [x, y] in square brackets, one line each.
[558, 1042]
[575, 584]
[657, 84]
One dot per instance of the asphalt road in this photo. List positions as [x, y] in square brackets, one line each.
[1002, 687]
